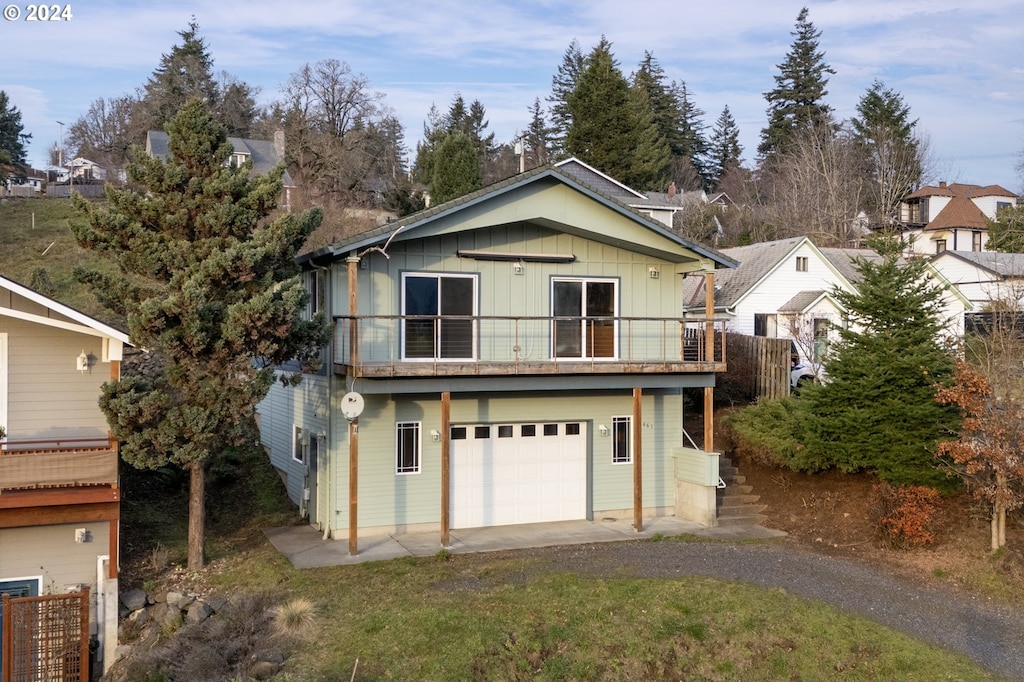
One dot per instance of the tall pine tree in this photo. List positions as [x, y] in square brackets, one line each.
[877, 411]
[612, 127]
[724, 150]
[796, 103]
[884, 132]
[563, 84]
[12, 140]
[209, 285]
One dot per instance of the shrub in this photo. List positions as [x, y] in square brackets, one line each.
[767, 432]
[903, 515]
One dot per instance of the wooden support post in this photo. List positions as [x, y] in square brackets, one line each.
[446, 474]
[638, 469]
[709, 418]
[113, 542]
[709, 314]
[353, 487]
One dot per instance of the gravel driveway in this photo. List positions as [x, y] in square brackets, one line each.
[989, 633]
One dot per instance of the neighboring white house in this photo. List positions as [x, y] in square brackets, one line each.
[984, 276]
[84, 170]
[784, 289]
[951, 217]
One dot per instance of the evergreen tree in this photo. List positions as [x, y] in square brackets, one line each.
[537, 139]
[1006, 232]
[884, 132]
[456, 168]
[208, 285]
[796, 102]
[184, 73]
[724, 150]
[877, 410]
[12, 139]
[677, 119]
[563, 84]
[612, 127]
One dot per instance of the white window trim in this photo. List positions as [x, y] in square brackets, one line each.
[615, 314]
[298, 447]
[476, 312]
[802, 263]
[418, 426]
[628, 421]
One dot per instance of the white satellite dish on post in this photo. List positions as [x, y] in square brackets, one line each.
[352, 405]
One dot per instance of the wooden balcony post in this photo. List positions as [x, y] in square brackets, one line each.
[638, 469]
[709, 314]
[353, 308]
[446, 478]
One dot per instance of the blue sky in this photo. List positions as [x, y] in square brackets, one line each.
[960, 66]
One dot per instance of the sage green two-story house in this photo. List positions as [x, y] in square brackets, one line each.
[518, 355]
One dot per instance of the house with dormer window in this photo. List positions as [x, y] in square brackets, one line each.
[951, 217]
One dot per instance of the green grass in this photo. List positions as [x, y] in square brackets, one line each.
[35, 237]
[477, 617]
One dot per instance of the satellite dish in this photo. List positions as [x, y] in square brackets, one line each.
[352, 405]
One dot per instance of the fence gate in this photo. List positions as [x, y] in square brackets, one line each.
[45, 639]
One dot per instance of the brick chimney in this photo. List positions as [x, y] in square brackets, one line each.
[279, 144]
[671, 189]
[942, 184]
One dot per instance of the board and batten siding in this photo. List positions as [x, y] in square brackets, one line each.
[284, 408]
[502, 292]
[388, 500]
[47, 397]
[65, 561]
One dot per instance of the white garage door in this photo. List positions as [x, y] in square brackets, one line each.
[504, 474]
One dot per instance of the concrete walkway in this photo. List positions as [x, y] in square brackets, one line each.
[305, 547]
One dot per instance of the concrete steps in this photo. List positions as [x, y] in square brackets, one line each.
[737, 503]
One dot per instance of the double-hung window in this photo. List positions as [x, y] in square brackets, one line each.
[585, 312]
[438, 316]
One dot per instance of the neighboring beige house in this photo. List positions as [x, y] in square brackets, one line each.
[951, 217]
[59, 494]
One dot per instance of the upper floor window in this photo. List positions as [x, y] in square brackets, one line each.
[801, 263]
[584, 312]
[940, 245]
[1000, 205]
[315, 282]
[438, 312]
[976, 240]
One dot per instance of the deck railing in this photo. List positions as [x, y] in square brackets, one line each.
[45, 463]
[443, 345]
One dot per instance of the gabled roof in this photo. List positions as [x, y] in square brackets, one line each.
[959, 212]
[75, 320]
[598, 180]
[1005, 265]
[843, 260]
[419, 223]
[802, 301]
[957, 189]
[262, 152]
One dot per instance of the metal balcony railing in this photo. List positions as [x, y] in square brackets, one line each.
[419, 345]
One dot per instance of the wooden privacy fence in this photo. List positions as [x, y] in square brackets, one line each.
[45, 638]
[758, 366]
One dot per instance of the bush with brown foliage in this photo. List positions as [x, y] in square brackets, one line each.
[903, 515]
